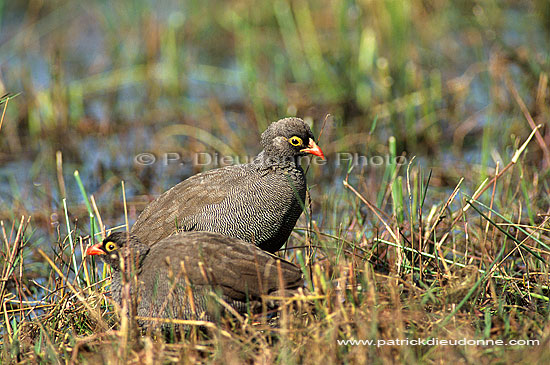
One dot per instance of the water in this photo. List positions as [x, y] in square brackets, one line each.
[119, 123]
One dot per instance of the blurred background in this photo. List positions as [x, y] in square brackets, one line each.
[106, 104]
[100, 83]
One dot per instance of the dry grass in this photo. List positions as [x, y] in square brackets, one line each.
[438, 277]
[452, 245]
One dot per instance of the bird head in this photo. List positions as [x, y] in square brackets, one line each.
[119, 247]
[290, 137]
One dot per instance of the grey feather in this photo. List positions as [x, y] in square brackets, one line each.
[258, 202]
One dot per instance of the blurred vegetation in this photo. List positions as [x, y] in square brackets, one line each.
[395, 251]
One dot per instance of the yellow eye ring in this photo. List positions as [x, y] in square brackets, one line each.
[295, 141]
[110, 246]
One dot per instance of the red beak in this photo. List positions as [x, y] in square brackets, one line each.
[313, 149]
[95, 250]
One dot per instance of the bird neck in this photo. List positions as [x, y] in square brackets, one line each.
[120, 277]
[271, 160]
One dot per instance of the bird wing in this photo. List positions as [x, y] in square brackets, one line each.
[239, 269]
[168, 212]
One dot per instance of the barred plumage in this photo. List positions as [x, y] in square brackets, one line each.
[239, 272]
[258, 202]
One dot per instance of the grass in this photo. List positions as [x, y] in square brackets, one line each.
[453, 244]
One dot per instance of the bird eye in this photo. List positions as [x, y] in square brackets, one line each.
[295, 141]
[110, 246]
